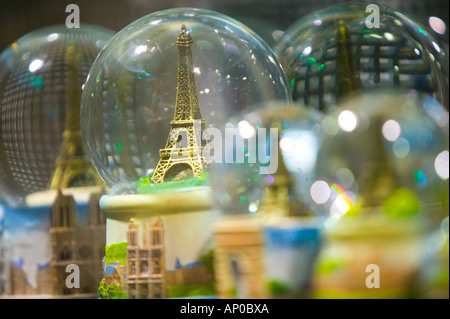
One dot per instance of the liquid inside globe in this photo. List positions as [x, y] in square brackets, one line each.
[159, 84]
[336, 52]
[41, 75]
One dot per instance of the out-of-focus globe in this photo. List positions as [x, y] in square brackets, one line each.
[34, 90]
[130, 96]
[382, 155]
[268, 170]
[333, 53]
[270, 32]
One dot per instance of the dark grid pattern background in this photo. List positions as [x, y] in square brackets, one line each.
[380, 62]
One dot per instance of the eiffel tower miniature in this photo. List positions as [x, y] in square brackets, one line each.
[178, 162]
[280, 198]
[73, 168]
[347, 75]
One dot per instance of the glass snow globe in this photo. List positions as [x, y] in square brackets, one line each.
[41, 76]
[335, 52]
[274, 149]
[157, 77]
[153, 100]
[382, 178]
[51, 189]
[262, 185]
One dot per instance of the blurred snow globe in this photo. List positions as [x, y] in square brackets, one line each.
[263, 182]
[383, 155]
[159, 84]
[41, 75]
[268, 161]
[382, 180]
[338, 51]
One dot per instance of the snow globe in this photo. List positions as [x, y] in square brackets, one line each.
[268, 237]
[382, 178]
[50, 215]
[335, 52]
[151, 98]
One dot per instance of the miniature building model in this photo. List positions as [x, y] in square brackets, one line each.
[279, 199]
[145, 269]
[3, 271]
[346, 69]
[179, 162]
[115, 274]
[83, 246]
[193, 273]
[276, 201]
[19, 284]
[70, 244]
[239, 258]
[4, 262]
[72, 166]
[43, 279]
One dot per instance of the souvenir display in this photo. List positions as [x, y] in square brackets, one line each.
[268, 238]
[51, 217]
[301, 152]
[382, 177]
[150, 105]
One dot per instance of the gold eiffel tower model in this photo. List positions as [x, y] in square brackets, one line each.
[73, 168]
[347, 77]
[178, 162]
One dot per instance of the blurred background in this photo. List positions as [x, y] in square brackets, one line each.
[268, 18]
[18, 17]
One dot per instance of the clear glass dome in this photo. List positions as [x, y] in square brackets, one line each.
[273, 164]
[38, 81]
[332, 53]
[382, 155]
[159, 74]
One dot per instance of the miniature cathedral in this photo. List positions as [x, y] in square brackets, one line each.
[75, 244]
[145, 267]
